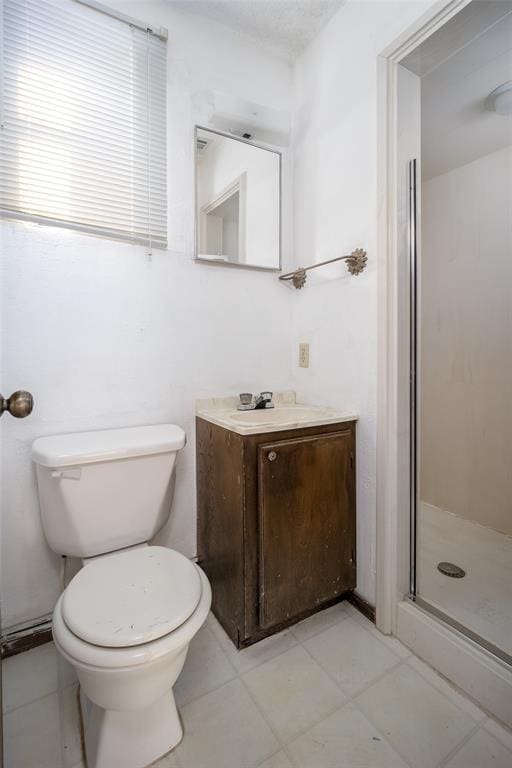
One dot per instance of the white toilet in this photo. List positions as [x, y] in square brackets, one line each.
[126, 619]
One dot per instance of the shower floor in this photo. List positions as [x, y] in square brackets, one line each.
[482, 600]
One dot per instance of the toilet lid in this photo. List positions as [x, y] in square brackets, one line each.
[132, 597]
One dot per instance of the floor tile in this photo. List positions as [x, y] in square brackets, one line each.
[294, 692]
[206, 668]
[69, 716]
[225, 728]
[32, 735]
[29, 676]
[480, 751]
[442, 685]
[389, 641]
[319, 621]
[346, 739]
[65, 672]
[504, 735]
[419, 721]
[351, 655]
[279, 760]
[256, 654]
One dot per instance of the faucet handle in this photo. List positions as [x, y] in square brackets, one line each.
[245, 398]
[266, 395]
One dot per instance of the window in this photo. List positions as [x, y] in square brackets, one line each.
[83, 137]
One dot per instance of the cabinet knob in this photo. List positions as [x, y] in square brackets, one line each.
[272, 456]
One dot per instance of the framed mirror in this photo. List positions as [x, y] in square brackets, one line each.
[238, 201]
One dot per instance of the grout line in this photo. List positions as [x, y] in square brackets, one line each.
[206, 693]
[260, 663]
[219, 643]
[506, 728]
[384, 736]
[350, 699]
[342, 617]
[451, 685]
[60, 689]
[378, 635]
[264, 716]
[404, 662]
[281, 741]
[453, 752]
[351, 696]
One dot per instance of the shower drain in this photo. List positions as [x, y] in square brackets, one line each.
[451, 570]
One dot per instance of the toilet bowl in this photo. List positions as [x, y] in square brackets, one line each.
[127, 703]
[126, 619]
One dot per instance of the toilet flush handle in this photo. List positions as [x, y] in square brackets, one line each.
[67, 474]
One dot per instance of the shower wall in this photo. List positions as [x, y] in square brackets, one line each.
[466, 341]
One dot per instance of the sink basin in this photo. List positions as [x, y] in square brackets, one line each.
[278, 415]
[286, 415]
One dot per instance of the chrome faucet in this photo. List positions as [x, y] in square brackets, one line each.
[264, 400]
[250, 403]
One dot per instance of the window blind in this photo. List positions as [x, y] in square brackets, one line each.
[83, 137]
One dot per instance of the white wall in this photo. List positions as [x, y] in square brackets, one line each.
[170, 321]
[335, 139]
[104, 336]
[466, 342]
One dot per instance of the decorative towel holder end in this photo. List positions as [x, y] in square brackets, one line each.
[356, 262]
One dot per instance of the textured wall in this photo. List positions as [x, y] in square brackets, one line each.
[104, 336]
[466, 343]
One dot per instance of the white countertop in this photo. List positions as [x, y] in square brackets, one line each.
[287, 414]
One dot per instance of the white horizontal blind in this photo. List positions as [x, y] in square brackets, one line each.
[83, 137]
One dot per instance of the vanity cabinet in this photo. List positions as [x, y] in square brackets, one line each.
[276, 523]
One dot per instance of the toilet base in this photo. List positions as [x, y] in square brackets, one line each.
[129, 738]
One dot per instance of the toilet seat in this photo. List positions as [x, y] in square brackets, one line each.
[78, 651]
[132, 597]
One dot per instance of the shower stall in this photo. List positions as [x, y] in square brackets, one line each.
[461, 341]
[445, 453]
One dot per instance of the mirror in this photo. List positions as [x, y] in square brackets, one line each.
[238, 201]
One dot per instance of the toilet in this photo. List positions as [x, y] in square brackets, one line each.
[125, 621]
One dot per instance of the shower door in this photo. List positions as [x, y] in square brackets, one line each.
[461, 397]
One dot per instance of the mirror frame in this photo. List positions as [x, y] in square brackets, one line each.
[196, 207]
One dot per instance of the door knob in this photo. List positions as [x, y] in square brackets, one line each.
[19, 404]
[272, 456]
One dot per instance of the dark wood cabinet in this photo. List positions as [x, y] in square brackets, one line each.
[276, 523]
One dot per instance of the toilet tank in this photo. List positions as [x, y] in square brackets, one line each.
[106, 490]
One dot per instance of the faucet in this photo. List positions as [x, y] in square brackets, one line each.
[264, 400]
[248, 403]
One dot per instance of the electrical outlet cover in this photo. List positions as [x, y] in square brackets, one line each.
[304, 355]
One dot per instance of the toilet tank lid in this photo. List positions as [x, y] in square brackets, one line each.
[106, 445]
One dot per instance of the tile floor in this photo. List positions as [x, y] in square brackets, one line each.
[331, 692]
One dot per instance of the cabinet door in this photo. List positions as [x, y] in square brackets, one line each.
[306, 523]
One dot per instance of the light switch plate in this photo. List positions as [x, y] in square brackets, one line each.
[303, 355]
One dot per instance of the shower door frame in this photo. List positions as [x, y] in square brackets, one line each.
[458, 657]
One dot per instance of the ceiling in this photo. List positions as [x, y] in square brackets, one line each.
[287, 26]
[456, 128]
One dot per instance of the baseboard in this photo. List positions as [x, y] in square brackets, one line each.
[31, 636]
[362, 605]
[477, 672]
